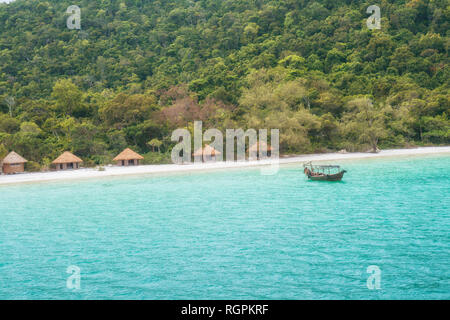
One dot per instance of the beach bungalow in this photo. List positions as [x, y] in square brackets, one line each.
[13, 163]
[254, 151]
[128, 158]
[67, 161]
[207, 153]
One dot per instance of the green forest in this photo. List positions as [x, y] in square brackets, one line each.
[138, 69]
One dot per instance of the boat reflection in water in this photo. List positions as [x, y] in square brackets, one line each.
[324, 172]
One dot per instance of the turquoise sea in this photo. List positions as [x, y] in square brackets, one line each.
[233, 234]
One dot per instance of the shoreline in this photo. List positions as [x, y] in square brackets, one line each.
[114, 171]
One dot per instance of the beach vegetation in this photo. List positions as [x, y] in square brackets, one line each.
[137, 70]
[32, 166]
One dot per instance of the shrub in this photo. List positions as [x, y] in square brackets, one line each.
[157, 158]
[32, 166]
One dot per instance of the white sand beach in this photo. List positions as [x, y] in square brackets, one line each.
[172, 168]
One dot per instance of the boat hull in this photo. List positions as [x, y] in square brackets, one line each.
[328, 177]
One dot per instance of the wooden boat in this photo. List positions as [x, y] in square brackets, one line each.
[323, 173]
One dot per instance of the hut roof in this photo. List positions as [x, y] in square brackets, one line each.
[67, 157]
[207, 150]
[128, 154]
[255, 147]
[13, 157]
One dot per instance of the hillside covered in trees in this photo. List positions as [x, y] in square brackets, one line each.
[139, 69]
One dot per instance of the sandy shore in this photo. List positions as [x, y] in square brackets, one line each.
[170, 168]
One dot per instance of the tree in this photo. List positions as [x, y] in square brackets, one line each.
[149, 67]
[364, 123]
[30, 128]
[3, 152]
[84, 139]
[10, 102]
[67, 96]
[182, 111]
[9, 124]
[125, 110]
[418, 108]
[437, 129]
[155, 143]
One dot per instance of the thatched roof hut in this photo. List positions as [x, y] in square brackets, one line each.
[128, 158]
[13, 157]
[207, 152]
[13, 163]
[67, 161]
[255, 147]
[255, 151]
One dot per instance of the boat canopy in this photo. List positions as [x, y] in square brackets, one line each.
[309, 164]
[321, 167]
[326, 167]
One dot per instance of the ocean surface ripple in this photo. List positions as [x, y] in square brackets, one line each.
[233, 234]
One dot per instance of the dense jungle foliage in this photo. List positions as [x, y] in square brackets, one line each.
[138, 69]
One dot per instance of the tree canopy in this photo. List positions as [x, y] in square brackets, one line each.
[136, 70]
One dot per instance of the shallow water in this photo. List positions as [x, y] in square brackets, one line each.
[233, 234]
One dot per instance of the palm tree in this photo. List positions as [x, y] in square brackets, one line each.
[155, 143]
